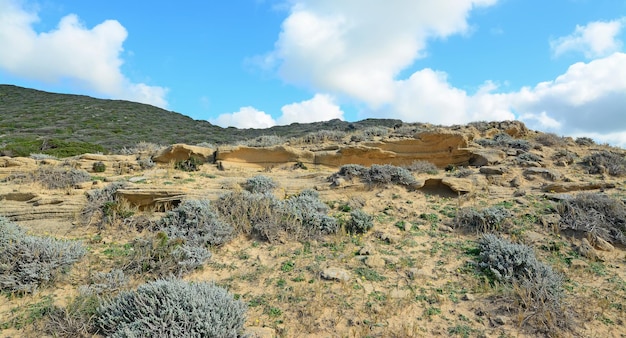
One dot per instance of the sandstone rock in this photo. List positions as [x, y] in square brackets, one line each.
[468, 297]
[585, 249]
[46, 201]
[600, 244]
[578, 264]
[83, 185]
[550, 221]
[8, 162]
[333, 273]
[492, 170]
[516, 182]
[148, 199]
[260, 332]
[548, 174]
[575, 186]
[374, 262]
[482, 157]
[366, 250]
[460, 185]
[94, 157]
[181, 152]
[18, 196]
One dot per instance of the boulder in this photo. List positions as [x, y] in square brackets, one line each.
[561, 187]
[337, 274]
[182, 152]
[492, 170]
[262, 156]
[482, 157]
[458, 185]
[152, 199]
[547, 174]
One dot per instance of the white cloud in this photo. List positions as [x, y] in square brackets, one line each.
[87, 57]
[596, 39]
[357, 48]
[320, 108]
[246, 117]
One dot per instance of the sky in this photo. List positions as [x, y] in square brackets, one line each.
[559, 65]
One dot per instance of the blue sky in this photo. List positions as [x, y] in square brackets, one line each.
[557, 65]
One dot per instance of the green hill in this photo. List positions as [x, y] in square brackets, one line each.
[33, 121]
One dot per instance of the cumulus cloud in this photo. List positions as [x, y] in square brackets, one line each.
[357, 48]
[71, 52]
[320, 108]
[596, 39]
[246, 117]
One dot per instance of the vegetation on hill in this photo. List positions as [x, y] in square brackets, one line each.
[33, 121]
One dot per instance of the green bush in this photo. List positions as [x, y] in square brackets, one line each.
[360, 222]
[27, 262]
[190, 164]
[25, 146]
[99, 167]
[173, 308]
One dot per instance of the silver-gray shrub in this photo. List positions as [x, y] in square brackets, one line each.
[307, 209]
[27, 262]
[244, 210]
[105, 283]
[162, 256]
[264, 141]
[537, 287]
[173, 308]
[484, 220]
[260, 184]
[505, 141]
[388, 174]
[360, 222]
[422, 167]
[99, 202]
[53, 177]
[196, 222]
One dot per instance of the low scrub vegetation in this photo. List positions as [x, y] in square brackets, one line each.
[376, 175]
[605, 162]
[489, 219]
[536, 288]
[184, 310]
[260, 184]
[422, 167]
[597, 214]
[53, 177]
[503, 140]
[27, 262]
[360, 222]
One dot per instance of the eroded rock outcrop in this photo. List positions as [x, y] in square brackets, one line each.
[181, 152]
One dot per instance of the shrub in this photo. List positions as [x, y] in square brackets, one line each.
[299, 217]
[527, 157]
[605, 161]
[99, 167]
[146, 163]
[105, 283]
[360, 222]
[40, 157]
[388, 174]
[196, 222]
[375, 131]
[485, 220]
[505, 141]
[260, 184]
[536, 287]
[245, 210]
[307, 209]
[585, 141]
[597, 214]
[173, 308]
[463, 172]
[423, 167]
[550, 140]
[102, 205]
[53, 177]
[27, 262]
[566, 156]
[163, 256]
[190, 164]
[265, 141]
[322, 136]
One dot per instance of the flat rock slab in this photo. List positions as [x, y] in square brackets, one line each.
[337, 274]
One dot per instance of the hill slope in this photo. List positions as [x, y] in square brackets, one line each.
[27, 115]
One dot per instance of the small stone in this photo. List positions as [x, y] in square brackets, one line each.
[337, 274]
[260, 332]
[516, 182]
[586, 250]
[399, 294]
[83, 185]
[578, 264]
[491, 170]
[366, 250]
[500, 320]
[601, 244]
[519, 193]
[374, 262]
[468, 297]
[445, 228]
[137, 179]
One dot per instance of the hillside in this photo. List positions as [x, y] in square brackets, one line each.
[28, 117]
[482, 230]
